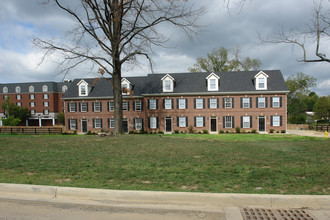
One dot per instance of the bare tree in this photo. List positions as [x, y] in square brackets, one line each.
[110, 33]
[317, 32]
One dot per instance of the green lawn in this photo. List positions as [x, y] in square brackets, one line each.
[226, 163]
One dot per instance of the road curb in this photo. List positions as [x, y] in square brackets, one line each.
[172, 198]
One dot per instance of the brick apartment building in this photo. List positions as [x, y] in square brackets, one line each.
[251, 100]
[43, 99]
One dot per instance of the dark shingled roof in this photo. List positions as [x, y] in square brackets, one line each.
[186, 83]
[52, 86]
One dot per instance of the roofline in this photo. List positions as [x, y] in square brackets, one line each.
[182, 94]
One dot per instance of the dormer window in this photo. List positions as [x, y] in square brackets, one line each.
[212, 82]
[18, 89]
[31, 88]
[125, 86]
[168, 83]
[260, 81]
[45, 88]
[83, 87]
[64, 88]
[5, 90]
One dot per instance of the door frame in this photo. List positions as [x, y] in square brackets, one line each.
[82, 127]
[264, 117]
[125, 119]
[216, 124]
[168, 118]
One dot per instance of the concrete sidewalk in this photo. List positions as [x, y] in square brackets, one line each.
[228, 204]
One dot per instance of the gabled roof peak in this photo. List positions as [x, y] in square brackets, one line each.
[260, 73]
[168, 76]
[213, 74]
[82, 81]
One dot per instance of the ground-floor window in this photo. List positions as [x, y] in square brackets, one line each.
[228, 121]
[152, 122]
[97, 123]
[199, 122]
[182, 122]
[111, 123]
[72, 124]
[246, 121]
[276, 121]
[138, 123]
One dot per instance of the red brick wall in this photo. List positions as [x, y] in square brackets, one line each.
[191, 112]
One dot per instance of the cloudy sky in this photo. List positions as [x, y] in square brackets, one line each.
[23, 20]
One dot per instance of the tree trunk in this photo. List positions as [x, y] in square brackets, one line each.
[117, 98]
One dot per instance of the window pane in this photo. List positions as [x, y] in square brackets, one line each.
[228, 122]
[84, 106]
[276, 120]
[212, 83]
[261, 102]
[182, 122]
[138, 105]
[199, 103]
[213, 103]
[152, 103]
[125, 105]
[246, 121]
[199, 122]
[138, 123]
[228, 103]
[276, 102]
[168, 104]
[153, 122]
[246, 102]
[111, 106]
[182, 103]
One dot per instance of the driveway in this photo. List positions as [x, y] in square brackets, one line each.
[310, 133]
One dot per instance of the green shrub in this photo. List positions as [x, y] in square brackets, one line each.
[205, 131]
[161, 132]
[283, 131]
[89, 132]
[271, 130]
[254, 131]
[131, 132]
[277, 132]
[176, 131]
[181, 132]
[238, 130]
[191, 129]
[221, 131]
[11, 121]
[227, 131]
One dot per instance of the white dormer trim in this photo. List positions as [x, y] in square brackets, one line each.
[83, 87]
[168, 79]
[212, 82]
[127, 84]
[260, 81]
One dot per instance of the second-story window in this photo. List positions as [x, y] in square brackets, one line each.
[84, 107]
[199, 103]
[168, 103]
[111, 106]
[72, 107]
[32, 104]
[276, 102]
[152, 104]
[138, 106]
[46, 96]
[125, 105]
[246, 102]
[213, 103]
[228, 102]
[97, 106]
[182, 103]
[261, 102]
[18, 97]
[45, 104]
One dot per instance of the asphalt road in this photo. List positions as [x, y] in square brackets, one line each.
[26, 210]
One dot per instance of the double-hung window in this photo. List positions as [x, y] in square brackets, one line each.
[261, 82]
[72, 107]
[111, 106]
[33, 111]
[97, 123]
[138, 106]
[153, 122]
[73, 124]
[276, 121]
[111, 123]
[83, 106]
[19, 104]
[97, 106]
[125, 106]
[32, 104]
[46, 104]
[32, 96]
[199, 103]
[168, 103]
[138, 123]
[246, 102]
[168, 85]
[228, 102]
[199, 122]
[182, 122]
[46, 112]
[213, 103]
[18, 97]
[261, 102]
[276, 102]
[246, 121]
[45, 96]
[182, 103]
[213, 84]
[152, 104]
[228, 122]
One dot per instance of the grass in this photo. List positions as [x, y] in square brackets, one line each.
[226, 163]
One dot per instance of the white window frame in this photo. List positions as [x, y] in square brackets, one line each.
[261, 102]
[33, 112]
[111, 106]
[46, 112]
[246, 121]
[32, 96]
[138, 124]
[261, 79]
[261, 82]
[83, 106]
[46, 96]
[72, 107]
[153, 122]
[138, 105]
[125, 84]
[64, 88]
[183, 122]
[97, 123]
[31, 88]
[213, 102]
[228, 102]
[276, 121]
[44, 88]
[32, 104]
[73, 125]
[199, 122]
[5, 89]
[18, 89]
[18, 97]
[212, 82]
[168, 103]
[87, 87]
[19, 104]
[152, 104]
[112, 123]
[228, 121]
[199, 103]
[97, 106]
[46, 104]
[276, 102]
[246, 102]
[182, 103]
[125, 105]
[168, 83]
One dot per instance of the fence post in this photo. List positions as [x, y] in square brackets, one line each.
[11, 130]
[35, 131]
[22, 130]
[48, 130]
